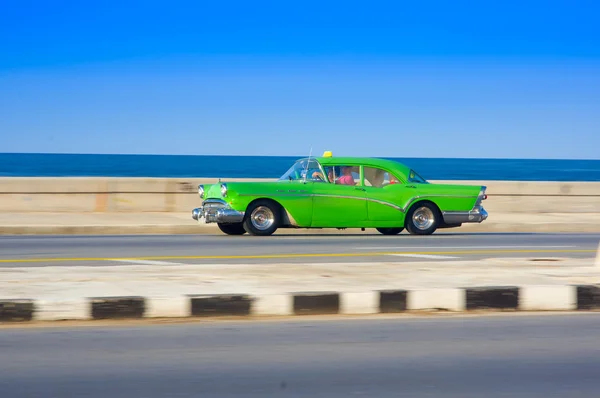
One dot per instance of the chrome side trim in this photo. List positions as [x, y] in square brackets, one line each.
[403, 209]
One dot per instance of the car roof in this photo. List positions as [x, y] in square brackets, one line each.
[385, 163]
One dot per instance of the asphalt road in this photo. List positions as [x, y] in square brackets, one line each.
[104, 250]
[516, 356]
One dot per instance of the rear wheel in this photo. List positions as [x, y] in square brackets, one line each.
[262, 218]
[390, 231]
[423, 219]
[232, 229]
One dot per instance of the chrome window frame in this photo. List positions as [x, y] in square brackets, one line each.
[304, 179]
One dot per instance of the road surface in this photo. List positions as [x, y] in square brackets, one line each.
[460, 357]
[102, 250]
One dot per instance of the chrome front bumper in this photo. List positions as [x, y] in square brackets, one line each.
[477, 214]
[217, 211]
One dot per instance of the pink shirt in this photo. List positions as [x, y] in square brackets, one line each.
[346, 180]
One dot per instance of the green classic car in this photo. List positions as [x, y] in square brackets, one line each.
[341, 192]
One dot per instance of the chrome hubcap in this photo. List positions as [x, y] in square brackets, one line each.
[262, 218]
[423, 218]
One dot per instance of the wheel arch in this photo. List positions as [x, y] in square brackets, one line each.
[284, 215]
[422, 201]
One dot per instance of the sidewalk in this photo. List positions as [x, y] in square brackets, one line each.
[182, 290]
[182, 223]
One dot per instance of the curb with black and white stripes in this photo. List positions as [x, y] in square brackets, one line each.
[494, 298]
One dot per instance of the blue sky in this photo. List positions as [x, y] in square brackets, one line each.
[496, 79]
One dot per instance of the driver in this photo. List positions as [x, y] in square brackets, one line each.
[318, 174]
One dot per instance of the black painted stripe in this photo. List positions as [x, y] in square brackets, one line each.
[17, 310]
[118, 307]
[391, 301]
[588, 297]
[220, 305]
[316, 303]
[501, 297]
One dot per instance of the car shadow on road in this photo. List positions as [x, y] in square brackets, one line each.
[404, 234]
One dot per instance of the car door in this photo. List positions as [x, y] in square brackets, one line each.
[339, 205]
[385, 199]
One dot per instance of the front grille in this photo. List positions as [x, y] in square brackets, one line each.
[210, 209]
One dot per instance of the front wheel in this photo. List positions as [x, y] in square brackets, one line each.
[422, 219]
[232, 229]
[262, 218]
[390, 231]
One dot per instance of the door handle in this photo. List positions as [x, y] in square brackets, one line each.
[410, 186]
[360, 189]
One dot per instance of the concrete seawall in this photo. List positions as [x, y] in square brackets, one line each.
[122, 195]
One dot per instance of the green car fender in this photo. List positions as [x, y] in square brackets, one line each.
[293, 198]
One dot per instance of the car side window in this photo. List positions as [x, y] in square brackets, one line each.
[378, 178]
[343, 175]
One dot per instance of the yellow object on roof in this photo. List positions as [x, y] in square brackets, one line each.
[327, 154]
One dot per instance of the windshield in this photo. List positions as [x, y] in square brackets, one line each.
[414, 177]
[304, 167]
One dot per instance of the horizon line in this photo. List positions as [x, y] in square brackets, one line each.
[288, 156]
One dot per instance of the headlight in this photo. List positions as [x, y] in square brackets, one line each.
[224, 189]
[201, 190]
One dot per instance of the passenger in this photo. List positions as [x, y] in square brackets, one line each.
[330, 175]
[346, 178]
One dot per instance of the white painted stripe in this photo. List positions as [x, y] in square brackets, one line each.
[165, 307]
[432, 256]
[273, 304]
[145, 262]
[548, 298]
[458, 247]
[359, 303]
[60, 308]
[452, 299]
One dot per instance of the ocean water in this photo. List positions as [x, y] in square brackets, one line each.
[72, 165]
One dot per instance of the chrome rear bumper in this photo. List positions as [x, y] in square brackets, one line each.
[217, 211]
[478, 214]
